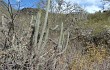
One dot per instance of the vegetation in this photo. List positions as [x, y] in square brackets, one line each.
[45, 40]
[98, 21]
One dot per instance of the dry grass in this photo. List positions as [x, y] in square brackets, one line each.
[98, 21]
[92, 60]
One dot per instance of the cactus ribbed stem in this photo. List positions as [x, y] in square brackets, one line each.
[60, 39]
[46, 39]
[32, 18]
[44, 26]
[66, 46]
[37, 24]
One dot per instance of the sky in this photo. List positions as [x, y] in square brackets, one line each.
[89, 5]
[25, 3]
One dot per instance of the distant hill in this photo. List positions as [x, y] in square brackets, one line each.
[30, 11]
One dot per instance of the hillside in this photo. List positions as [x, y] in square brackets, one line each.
[99, 21]
[40, 40]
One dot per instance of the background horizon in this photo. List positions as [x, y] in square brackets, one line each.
[90, 6]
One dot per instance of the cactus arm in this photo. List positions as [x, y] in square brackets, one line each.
[66, 46]
[60, 38]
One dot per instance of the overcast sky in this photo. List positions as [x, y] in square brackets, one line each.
[89, 5]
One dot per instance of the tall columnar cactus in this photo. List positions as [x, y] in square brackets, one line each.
[46, 39]
[37, 24]
[3, 22]
[66, 45]
[39, 47]
[32, 18]
[62, 46]
[44, 26]
[60, 38]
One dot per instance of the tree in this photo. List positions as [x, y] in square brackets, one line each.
[60, 6]
[105, 2]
